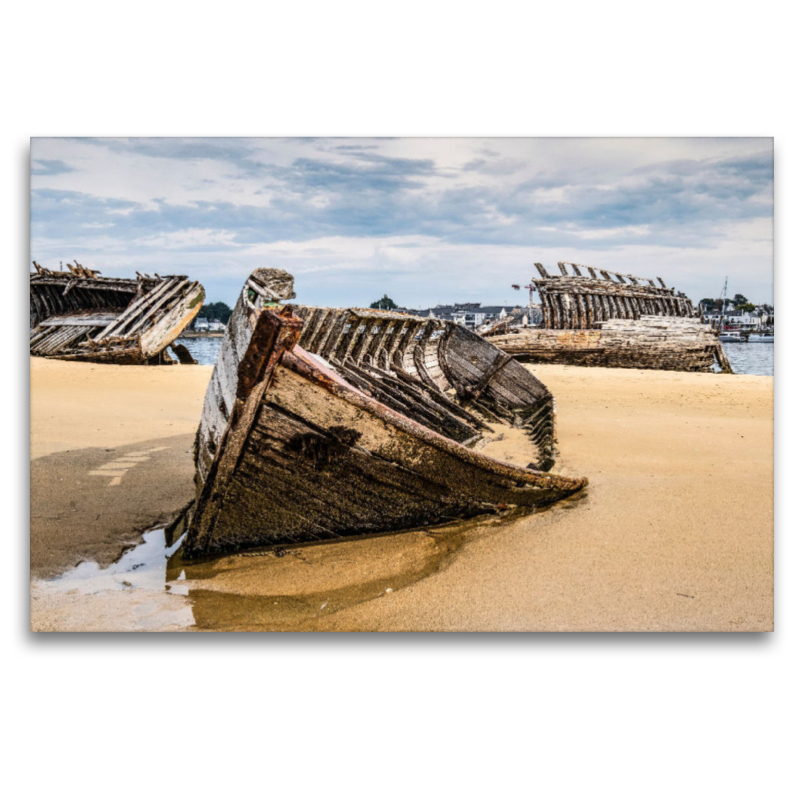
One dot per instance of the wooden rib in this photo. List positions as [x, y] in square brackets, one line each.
[329, 338]
[377, 342]
[318, 331]
[339, 333]
[354, 333]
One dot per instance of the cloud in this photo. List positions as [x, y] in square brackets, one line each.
[435, 212]
[49, 167]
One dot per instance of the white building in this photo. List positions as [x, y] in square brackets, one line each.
[760, 317]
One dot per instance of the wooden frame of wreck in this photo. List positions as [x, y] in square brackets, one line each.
[326, 423]
[612, 319]
[78, 315]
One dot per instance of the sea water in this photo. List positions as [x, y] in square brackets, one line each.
[204, 350]
[750, 358]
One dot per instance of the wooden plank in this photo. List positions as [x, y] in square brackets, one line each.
[133, 309]
[162, 332]
[93, 320]
[272, 336]
[652, 342]
[149, 314]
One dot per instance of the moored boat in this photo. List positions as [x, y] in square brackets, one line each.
[325, 423]
[732, 336]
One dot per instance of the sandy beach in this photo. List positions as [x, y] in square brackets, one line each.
[674, 532]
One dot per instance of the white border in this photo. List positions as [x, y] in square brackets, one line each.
[571, 716]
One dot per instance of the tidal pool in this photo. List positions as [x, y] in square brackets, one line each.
[151, 588]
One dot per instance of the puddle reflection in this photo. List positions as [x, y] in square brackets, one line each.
[296, 589]
[293, 588]
[143, 567]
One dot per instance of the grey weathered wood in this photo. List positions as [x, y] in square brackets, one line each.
[136, 308]
[651, 342]
[402, 362]
[584, 305]
[310, 454]
[92, 320]
[109, 319]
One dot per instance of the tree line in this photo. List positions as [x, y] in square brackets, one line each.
[220, 311]
[740, 303]
[386, 303]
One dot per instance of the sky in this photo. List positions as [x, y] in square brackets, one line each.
[426, 221]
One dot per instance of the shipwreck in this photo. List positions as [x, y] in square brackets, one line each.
[323, 423]
[609, 319]
[79, 315]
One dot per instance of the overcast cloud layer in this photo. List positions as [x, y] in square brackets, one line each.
[425, 220]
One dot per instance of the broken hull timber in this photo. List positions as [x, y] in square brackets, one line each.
[680, 344]
[80, 316]
[289, 450]
[614, 320]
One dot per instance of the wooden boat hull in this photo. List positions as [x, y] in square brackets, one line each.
[596, 318]
[77, 315]
[667, 343]
[290, 451]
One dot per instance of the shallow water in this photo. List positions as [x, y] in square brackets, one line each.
[280, 589]
[752, 358]
[151, 588]
[143, 567]
[204, 350]
[132, 594]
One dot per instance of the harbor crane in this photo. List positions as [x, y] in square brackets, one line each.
[531, 289]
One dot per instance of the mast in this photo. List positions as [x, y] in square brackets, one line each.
[722, 302]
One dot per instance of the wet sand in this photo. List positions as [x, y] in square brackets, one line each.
[673, 533]
[111, 456]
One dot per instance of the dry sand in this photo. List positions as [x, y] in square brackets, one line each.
[674, 532]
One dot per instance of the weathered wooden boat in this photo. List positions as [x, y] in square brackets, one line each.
[81, 316]
[608, 319]
[323, 423]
